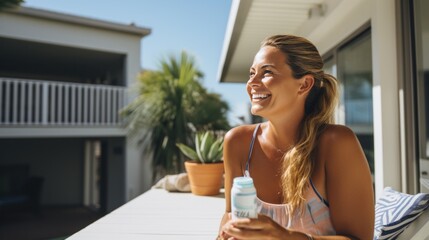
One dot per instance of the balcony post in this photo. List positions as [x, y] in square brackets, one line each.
[45, 93]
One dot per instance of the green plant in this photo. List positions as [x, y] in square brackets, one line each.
[208, 148]
[168, 102]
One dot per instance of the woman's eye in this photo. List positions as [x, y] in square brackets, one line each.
[267, 72]
[251, 74]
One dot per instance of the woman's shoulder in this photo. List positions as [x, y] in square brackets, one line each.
[236, 146]
[239, 137]
[240, 133]
[339, 144]
[336, 133]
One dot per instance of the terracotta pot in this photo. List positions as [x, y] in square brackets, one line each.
[205, 179]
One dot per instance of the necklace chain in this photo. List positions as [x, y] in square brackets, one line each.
[275, 147]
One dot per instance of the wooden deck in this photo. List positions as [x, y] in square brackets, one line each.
[158, 214]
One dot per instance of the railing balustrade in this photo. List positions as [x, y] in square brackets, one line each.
[48, 103]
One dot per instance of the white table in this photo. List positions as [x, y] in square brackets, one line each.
[161, 215]
[158, 214]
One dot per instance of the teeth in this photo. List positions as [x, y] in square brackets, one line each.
[259, 95]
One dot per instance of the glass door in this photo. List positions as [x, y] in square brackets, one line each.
[351, 63]
[421, 36]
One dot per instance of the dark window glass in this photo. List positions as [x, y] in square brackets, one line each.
[352, 65]
[421, 23]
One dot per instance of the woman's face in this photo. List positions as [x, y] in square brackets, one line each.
[271, 86]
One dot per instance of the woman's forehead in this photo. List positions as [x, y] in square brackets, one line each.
[269, 55]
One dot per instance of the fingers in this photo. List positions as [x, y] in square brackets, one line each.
[224, 236]
[261, 228]
[262, 222]
[247, 223]
[246, 228]
[242, 233]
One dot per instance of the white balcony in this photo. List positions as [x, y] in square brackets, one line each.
[34, 103]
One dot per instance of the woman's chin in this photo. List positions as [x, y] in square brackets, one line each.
[256, 110]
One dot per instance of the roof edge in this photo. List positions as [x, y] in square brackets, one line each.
[237, 19]
[79, 20]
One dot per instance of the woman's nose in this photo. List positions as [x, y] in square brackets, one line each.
[254, 81]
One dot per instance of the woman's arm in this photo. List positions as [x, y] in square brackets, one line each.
[348, 184]
[235, 148]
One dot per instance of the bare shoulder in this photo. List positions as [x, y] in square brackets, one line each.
[337, 134]
[235, 150]
[340, 145]
[236, 145]
[239, 134]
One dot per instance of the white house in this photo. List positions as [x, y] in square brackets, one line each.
[63, 79]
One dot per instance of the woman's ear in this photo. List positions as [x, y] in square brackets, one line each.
[307, 83]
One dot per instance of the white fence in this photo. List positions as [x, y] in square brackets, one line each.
[34, 102]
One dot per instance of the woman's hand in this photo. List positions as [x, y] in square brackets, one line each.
[261, 228]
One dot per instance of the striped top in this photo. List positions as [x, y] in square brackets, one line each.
[315, 220]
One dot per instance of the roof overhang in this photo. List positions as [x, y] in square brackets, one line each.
[250, 21]
[78, 20]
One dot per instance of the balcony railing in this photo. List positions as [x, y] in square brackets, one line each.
[47, 103]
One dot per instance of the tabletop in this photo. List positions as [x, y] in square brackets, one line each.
[159, 214]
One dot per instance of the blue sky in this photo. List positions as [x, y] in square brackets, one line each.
[196, 26]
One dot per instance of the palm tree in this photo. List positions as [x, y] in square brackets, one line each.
[210, 113]
[169, 101]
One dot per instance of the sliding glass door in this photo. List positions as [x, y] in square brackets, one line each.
[351, 63]
[421, 36]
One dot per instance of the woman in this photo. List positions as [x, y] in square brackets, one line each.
[311, 176]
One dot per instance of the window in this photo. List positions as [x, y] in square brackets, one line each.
[421, 36]
[351, 63]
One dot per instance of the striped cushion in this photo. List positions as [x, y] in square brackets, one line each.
[394, 211]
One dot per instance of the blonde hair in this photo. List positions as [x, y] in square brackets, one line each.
[298, 163]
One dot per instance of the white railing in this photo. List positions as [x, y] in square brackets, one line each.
[34, 102]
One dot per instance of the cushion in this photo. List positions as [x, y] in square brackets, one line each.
[395, 211]
[174, 183]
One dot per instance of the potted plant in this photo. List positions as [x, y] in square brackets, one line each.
[205, 164]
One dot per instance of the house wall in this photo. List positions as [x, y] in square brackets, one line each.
[67, 34]
[59, 161]
[347, 18]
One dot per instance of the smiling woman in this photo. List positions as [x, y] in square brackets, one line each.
[309, 174]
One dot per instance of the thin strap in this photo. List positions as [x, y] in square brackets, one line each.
[246, 172]
[318, 194]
